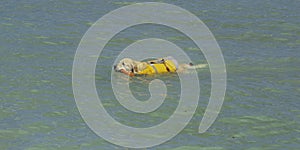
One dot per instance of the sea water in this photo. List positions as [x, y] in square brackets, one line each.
[260, 41]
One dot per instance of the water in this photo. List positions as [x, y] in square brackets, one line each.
[260, 41]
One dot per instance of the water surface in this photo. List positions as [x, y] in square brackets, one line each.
[260, 41]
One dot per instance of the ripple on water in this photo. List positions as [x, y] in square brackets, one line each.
[12, 133]
[198, 148]
[56, 114]
[260, 126]
[123, 3]
[38, 127]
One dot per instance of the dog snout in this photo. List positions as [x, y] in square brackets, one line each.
[115, 67]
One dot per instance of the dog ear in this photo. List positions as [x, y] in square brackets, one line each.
[141, 66]
[135, 69]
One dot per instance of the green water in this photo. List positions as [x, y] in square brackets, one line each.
[260, 41]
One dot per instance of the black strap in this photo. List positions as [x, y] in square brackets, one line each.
[164, 62]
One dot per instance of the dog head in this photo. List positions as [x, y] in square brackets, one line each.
[130, 65]
[126, 64]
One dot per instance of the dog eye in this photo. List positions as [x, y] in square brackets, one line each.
[123, 64]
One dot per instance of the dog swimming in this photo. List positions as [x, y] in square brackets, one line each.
[167, 64]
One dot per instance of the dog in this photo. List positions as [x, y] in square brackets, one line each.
[167, 64]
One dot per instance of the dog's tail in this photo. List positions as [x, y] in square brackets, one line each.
[198, 66]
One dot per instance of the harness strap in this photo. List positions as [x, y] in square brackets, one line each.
[167, 67]
[164, 62]
[154, 68]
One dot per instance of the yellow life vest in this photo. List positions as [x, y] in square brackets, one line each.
[166, 66]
